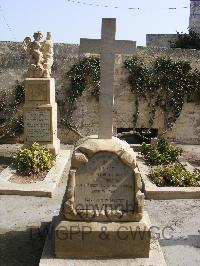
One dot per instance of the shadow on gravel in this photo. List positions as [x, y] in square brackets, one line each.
[191, 240]
[23, 248]
[4, 162]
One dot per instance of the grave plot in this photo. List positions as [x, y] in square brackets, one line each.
[27, 183]
[166, 174]
[13, 183]
[39, 166]
[103, 192]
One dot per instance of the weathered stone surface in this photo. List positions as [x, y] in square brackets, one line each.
[160, 40]
[78, 159]
[129, 158]
[104, 182]
[39, 91]
[41, 55]
[93, 145]
[155, 258]
[89, 240]
[40, 113]
[38, 127]
[106, 186]
[140, 202]
[138, 178]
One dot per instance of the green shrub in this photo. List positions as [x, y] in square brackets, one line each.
[174, 175]
[165, 84]
[33, 160]
[164, 153]
[85, 72]
[187, 41]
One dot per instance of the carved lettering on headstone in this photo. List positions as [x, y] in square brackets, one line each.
[104, 183]
[37, 92]
[37, 123]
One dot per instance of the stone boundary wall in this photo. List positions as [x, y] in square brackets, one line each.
[160, 40]
[13, 66]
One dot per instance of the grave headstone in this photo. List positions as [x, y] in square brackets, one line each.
[102, 214]
[40, 109]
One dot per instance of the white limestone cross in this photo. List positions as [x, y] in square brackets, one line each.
[107, 47]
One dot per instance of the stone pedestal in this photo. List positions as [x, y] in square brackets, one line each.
[40, 113]
[95, 240]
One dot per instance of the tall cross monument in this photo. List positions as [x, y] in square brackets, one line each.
[116, 196]
[107, 47]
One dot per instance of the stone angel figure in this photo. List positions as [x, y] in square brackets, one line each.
[41, 55]
[47, 55]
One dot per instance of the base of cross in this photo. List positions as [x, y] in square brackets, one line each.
[92, 240]
[152, 253]
[103, 205]
[102, 218]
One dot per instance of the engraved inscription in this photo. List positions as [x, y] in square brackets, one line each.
[37, 92]
[37, 123]
[104, 183]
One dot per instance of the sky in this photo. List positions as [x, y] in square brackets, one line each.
[69, 20]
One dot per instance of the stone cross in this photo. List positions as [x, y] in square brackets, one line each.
[107, 47]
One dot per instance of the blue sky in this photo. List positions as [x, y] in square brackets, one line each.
[70, 21]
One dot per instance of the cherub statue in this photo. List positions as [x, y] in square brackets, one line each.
[41, 55]
[47, 55]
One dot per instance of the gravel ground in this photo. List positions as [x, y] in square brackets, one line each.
[178, 229]
[191, 154]
[22, 233]
[23, 226]
[24, 221]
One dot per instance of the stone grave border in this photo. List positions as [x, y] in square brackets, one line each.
[43, 188]
[164, 193]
